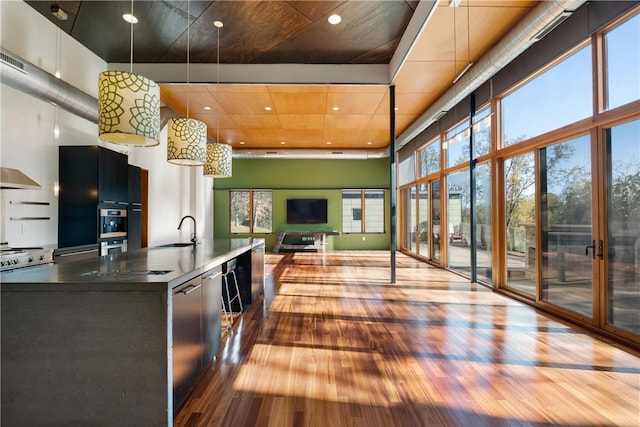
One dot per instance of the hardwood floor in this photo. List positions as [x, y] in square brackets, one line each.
[340, 346]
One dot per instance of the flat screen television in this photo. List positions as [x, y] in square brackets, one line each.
[306, 211]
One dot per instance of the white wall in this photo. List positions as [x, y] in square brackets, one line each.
[27, 141]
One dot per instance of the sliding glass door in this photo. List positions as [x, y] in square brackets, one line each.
[567, 238]
[622, 169]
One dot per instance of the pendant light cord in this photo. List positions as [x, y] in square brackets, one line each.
[188, 51]
[218, 24]
[131, 42]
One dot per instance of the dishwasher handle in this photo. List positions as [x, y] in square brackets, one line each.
[214, 275]
[189, 289]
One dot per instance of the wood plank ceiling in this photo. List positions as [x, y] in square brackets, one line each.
[301, 116]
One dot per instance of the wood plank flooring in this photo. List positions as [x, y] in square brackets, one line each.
[340, 346]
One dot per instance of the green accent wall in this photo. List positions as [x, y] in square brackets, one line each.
[305, 178]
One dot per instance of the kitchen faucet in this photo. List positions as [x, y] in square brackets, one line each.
[194, 239]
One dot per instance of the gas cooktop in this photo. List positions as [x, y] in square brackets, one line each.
[12, 258]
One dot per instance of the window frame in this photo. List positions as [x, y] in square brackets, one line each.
[363, 210]
[251, 210]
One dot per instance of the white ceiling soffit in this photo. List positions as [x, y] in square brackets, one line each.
[300, 153]
[544, 17]
[356, 74]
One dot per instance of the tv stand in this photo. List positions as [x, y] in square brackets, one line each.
[319, 240]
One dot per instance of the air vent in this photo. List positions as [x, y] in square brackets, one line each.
[12, 62]
[551, 26]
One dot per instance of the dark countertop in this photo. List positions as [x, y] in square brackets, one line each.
[144, 269]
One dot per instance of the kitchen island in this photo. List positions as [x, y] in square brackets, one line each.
[119, 339]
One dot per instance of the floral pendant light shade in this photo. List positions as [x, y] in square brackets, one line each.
[128, 109]
[186, 141]
[219, 158]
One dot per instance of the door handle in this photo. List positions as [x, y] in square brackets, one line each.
[600, 249]
[593, 249]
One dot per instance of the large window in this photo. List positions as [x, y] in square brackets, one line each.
[429, 157]
[459, 221]
[565, 214]
[250, 211]
[482, 133]
[622, 53]
[623, 225]
[483, 221]
[457, 144]
[520, 208]
[559, 96]
[363, 211]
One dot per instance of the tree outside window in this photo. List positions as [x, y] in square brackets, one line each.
[250, 211]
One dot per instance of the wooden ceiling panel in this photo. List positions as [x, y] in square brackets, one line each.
[366, 24]
[302, 137]
[256, 121]
[354, 103]
[299, 103]
[343, 121]
[426, 77]
[244, 102]
[301, 121]
[411, 103]
[341, 137]
[263, 137]
[492, 22]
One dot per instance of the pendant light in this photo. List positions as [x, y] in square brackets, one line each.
[186, 137]
[128, 106]
[219, 156]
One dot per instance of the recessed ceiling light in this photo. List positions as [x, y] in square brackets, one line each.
[369, 142]
[131, 19]
[241, 143]
[59, 13]
[335, 19]
[207, 108]
[328, 142]
[267, 108]
[336, 108]
[282, 142]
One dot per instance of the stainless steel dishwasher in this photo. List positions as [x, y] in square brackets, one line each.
[187, 338]
[211, 316]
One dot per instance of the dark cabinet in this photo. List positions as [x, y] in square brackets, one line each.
[134, 235]
[89, 176]
[113, 177]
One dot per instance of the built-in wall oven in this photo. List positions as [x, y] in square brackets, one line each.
[113, 230]
[113, 223]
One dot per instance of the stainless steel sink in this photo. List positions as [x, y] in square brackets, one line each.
[176, 245]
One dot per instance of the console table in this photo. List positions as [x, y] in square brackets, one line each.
[319, 240]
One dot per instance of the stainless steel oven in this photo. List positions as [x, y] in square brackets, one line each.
[113, 246]
[113, 223]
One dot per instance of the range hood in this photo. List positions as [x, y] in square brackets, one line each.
[14, 179]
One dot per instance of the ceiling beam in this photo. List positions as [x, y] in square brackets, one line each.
[359, 74]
